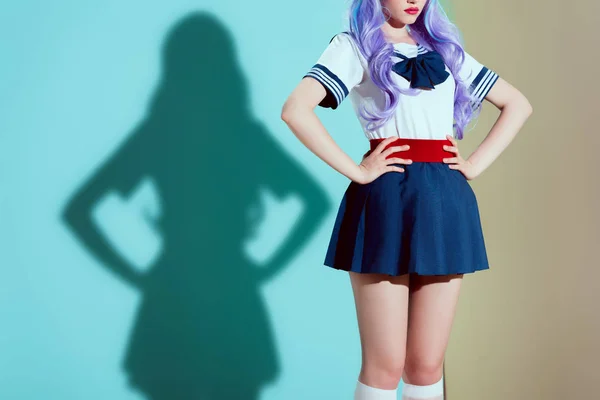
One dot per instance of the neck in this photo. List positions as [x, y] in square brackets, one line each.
[396, 31]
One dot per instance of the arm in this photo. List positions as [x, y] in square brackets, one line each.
[514, 111]
[339, 68]
[299, 114]
[121, 173]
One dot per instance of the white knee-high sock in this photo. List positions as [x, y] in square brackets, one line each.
[427, 392]
[364, 392]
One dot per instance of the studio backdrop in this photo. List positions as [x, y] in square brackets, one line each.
[163, 232]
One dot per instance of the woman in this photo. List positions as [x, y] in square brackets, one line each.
[408, 226]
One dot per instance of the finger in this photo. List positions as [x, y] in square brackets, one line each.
[450, 160]
[455, 166]
[397, 160]
[392, 168]
[381, 146]
[395, 149]
[389, 140]
[451, 139]
[404, 147]
[453, 149]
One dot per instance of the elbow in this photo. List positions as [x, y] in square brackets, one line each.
[285, 115]
[527, 107]
[519, 104]
[287, 112]
[293, 110]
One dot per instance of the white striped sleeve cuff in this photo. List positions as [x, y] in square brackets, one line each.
[336, 89]
[482, 84]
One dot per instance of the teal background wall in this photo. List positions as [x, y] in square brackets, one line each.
[79, 128]
[139, 226]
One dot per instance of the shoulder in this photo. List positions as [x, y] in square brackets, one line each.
[344, 39]
[339, 68]
[342, 36]
[477, 76]
[344, 42]
[468, 64]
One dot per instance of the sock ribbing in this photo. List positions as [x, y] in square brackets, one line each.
[365, 392]
[434, 391]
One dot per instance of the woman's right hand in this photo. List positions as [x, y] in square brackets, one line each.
[375, 163]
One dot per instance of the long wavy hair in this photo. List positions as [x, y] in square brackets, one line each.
[433, 30]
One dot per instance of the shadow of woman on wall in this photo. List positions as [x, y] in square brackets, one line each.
[189, 173]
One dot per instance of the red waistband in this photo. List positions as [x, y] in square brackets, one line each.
[421, 150]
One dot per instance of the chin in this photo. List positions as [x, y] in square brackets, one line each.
[408, 20]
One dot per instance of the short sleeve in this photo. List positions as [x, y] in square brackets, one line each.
[338, 69]
[478, 78]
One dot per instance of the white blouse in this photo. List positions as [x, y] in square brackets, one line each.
[343, 71]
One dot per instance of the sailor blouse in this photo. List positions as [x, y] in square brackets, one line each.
[343, 71]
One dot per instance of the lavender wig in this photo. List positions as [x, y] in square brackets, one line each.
[432, 30]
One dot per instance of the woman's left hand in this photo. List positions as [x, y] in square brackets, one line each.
[464, 166]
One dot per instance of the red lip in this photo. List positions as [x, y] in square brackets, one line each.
[412, 10]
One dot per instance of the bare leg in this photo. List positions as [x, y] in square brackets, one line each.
[432, 307]
[382, 310]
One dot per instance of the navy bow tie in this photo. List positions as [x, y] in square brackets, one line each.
[423, 71]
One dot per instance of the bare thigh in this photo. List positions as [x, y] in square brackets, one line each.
[382, 310]
[432, 306]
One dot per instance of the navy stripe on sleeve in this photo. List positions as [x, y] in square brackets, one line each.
[331, 82]
[482, 84]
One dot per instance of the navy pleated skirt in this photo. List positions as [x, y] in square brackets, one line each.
[424, 220]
